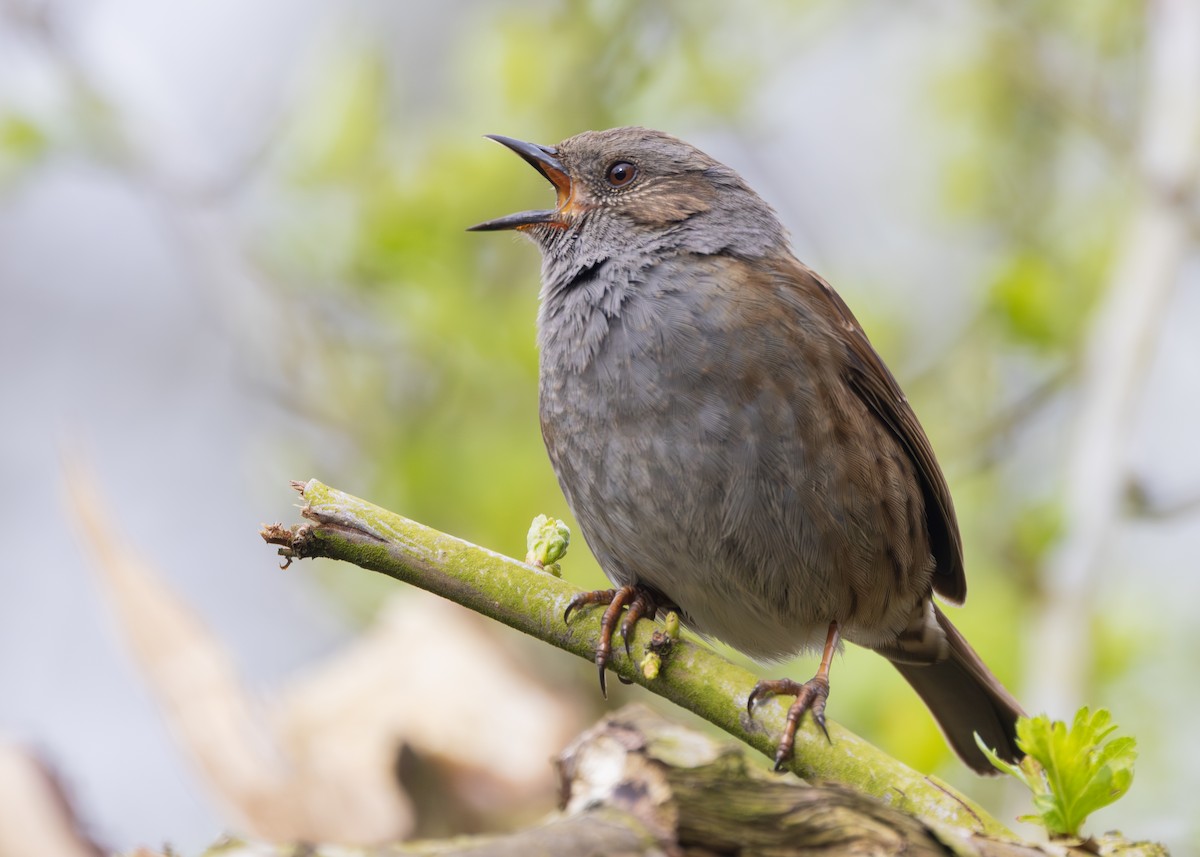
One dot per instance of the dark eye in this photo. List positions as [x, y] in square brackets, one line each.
[621, 173]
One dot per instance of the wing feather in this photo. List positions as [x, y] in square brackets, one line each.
[875, 385]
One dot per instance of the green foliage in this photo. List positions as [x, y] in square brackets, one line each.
[588, 64]
[546, 543]
[1071, 772]
[671, 625]
[1030, 297]
[1039, 159]
[650, 665]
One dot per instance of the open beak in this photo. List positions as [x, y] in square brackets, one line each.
[543, 159]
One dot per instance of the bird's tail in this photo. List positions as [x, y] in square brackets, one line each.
[966, 698]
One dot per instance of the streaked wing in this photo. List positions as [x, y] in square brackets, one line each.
[873, 382]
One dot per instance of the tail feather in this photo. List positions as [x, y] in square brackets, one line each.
[965, 698]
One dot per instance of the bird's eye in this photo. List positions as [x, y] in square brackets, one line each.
[621, 173]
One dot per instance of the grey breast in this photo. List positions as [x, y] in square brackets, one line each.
[683, 444]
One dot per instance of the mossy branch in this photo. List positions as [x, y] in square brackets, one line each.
[693, 676]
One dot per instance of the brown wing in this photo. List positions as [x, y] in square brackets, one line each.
[873, 382]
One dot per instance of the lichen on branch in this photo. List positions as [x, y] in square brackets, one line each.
[340, 526]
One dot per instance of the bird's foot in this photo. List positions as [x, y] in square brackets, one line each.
[636, 601]
[810, 697]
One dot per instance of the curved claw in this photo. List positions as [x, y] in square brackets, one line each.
[750, 700]
[583, 599]
[766, 688]
[819, 719]
[574, 604]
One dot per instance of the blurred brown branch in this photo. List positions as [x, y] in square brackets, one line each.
[639, 784]
[38, 815]
[349, 751]
[262, 787]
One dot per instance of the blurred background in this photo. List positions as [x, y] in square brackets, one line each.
[232, 254]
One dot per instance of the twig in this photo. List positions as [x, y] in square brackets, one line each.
[347, 528]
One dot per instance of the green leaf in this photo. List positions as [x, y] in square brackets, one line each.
[1071, 772]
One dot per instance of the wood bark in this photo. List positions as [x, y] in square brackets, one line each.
[638, 784]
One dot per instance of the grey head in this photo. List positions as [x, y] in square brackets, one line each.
[633, 193]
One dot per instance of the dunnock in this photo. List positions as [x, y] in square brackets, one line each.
[728, 439]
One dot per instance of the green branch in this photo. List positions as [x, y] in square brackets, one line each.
[528, 599]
